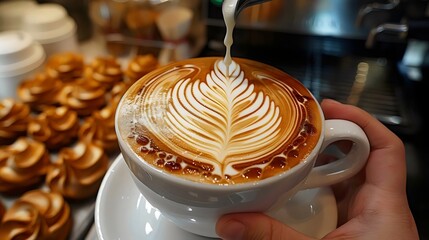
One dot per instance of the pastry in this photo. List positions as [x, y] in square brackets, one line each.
[14, 117]
[23, 165]
[139, 66]
[78, 171]
[99, 129]
[40, 91]
[55, 127]
[66, 66]
[116, 93]
[140, 19]
[83, 96]
[37, 215]
[104, 70]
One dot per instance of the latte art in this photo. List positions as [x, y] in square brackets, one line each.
[212, 124]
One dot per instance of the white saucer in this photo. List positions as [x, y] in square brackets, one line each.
[122, 212]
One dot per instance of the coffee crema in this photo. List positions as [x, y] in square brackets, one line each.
[203, 122]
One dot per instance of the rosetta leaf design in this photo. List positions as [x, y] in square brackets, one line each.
[223, 117]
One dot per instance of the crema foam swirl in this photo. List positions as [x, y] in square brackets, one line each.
[207, 123]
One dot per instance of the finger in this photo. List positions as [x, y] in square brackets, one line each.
[379, 135]
[255, 226]
[386, 164]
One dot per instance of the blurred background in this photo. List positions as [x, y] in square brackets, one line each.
[370, 53]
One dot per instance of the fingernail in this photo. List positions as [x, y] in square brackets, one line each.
[233, 230]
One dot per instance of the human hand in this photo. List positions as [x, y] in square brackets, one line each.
[371, 205]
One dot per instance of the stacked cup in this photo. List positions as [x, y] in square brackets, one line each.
[11, 13]
[20, 57]
[29, 33]
[51, 26]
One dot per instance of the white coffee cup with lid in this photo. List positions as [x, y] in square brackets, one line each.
[20, 57]
[51, 26]
[11, 13]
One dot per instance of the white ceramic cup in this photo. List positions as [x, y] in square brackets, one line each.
[196, 207]
[20, 57]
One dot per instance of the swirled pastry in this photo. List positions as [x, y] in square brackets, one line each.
[66, 66]
[23, 165]
[78, 171]
[115, 95]
[141, 21]
[99, 128]
[40, 91]
[104, 70]
[14, 118]
[139, 66]
[37, 215]
[83, 96]
[56, 127]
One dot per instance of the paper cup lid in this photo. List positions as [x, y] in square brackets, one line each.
[49, 23]
[19, 53]
[11, 13]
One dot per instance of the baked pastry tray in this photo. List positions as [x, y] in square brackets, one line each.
[113, 76]
[82, 215]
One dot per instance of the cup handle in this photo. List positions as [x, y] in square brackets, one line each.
[345, 167]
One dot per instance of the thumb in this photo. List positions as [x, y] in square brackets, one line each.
[255, 226]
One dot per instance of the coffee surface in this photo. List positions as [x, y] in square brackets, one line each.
[203, 122]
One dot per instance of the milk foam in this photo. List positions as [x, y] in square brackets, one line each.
[221, 120]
